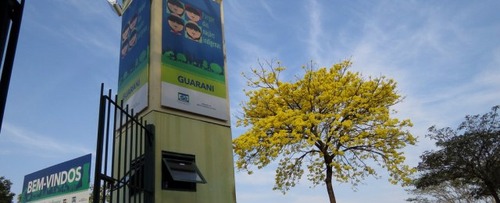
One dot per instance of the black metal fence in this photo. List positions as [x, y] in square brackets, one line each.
[124, 168]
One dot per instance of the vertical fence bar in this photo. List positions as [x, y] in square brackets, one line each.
[149, 163]
[139, 165]
[7, 63]
[130, 159]
[136, 164]
[100, 137]
[125, 152]
[106, 146]
[113, 169]
[143, 153]
[120, 136]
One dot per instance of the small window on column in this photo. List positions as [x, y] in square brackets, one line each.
[179, 172]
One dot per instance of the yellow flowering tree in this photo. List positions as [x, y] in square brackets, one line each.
[332, 122]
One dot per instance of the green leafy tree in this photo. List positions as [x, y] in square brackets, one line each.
[448, 191]
[334, 123]
[5, 195]
[469, 156]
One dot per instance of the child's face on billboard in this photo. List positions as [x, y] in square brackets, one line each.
[194, 34]
[175, 9]
[175, 26]
[193, 16]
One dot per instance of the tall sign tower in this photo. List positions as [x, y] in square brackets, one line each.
[172, 71]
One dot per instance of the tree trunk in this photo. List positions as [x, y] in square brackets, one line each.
[329, 186]
[495, 196]
[493, 191]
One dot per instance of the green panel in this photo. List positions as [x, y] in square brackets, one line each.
[210, 143]
[176, 76]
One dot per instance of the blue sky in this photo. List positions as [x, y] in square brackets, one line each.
[445, 56]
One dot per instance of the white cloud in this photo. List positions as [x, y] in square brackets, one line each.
[315, 30]
[21, 140]
[88, 24]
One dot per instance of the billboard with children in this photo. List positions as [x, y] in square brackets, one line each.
[66, 182]
[193, 74]
[134, 56]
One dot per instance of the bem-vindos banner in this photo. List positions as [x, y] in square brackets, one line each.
[193, 74]
[66, 182]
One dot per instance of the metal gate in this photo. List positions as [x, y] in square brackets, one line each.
[124, 168]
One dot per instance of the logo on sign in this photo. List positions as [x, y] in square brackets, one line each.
[183, 97]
